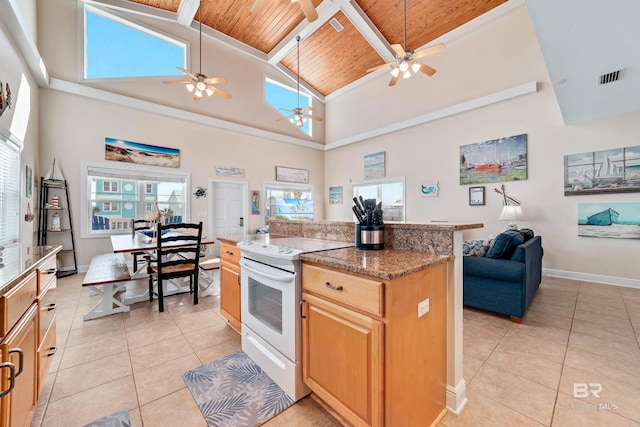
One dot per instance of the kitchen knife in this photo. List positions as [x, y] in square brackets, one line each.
[358, 215]
[362, 204]
[358, 206]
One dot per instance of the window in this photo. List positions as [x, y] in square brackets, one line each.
[389, 191]
[110, 186]
[285, 200]
[283, 97]
[115, 47]
[10, 168]
[148, 189]
[105, 212]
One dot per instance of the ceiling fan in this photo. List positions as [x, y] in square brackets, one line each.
[306, 6]
[406, 62]
[199, 82]
[299, 115]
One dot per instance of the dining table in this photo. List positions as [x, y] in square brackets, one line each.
[139, 242]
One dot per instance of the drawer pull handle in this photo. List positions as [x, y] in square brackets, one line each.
[12, 377]
[52, 271]
[21, 359]
[228, 252]
[52, 306]
[52, 350]
[301, 312]
[335, 288]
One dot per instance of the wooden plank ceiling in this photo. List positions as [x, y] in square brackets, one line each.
[330, 60]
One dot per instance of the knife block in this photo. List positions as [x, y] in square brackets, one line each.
[369, 237]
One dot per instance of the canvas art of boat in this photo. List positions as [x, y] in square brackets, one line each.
[606, 217]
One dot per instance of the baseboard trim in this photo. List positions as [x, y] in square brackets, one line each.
[457, 397]
[596, 278]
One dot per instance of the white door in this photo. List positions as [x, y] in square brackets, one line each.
[228, 210]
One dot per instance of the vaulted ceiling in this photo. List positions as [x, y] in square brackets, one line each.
[349, 37]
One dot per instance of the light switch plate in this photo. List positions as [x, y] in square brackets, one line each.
[423, 307]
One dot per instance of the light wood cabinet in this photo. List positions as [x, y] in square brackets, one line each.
[367, 354]
[230, 284]
[47, 290]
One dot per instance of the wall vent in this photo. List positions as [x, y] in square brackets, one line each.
[610, 77]
[336, 25]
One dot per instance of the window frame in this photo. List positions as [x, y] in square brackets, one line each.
[381, 182]
[293, 89]
[131, 23]
[285, 186]
[12, 195]
[129, 173]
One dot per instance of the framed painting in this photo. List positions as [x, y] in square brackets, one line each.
[600, 172]
[496, 160]
[119, 150]
[374, 165]
[292, 175]
[476, 196]
[335, 195]
[28, 181]
[618, 220]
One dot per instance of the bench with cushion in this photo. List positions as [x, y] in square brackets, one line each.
[507, 277]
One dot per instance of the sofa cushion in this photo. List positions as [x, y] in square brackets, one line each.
[527, 233]
[474, 247]
[504, 244]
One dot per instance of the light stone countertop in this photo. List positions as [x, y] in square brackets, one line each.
[386, 264]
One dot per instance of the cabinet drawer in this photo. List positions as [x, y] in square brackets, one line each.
[46, 353]
[230, 253]
[344, 288]
[46, 273]
[47, 307]
[14, 303]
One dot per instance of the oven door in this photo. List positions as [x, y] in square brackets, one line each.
[269, 304]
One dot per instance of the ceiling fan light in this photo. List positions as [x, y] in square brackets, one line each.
[209, 91]
[190, 87]
[201, 86]
[406, 74]
[415, 67]
[395, 72]
[198, 93]
[404, 66]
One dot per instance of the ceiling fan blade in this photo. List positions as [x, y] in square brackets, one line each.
[220, 92]
[399, 50]
[394, 80]
[215, 80]
[177, 82]
[426, 69]
[312, 117]
[305, 109]
[284, 109]
[258, 5]
[308, 10]
[429, 51]
[378, 67]
[187, 73]
[282, 118]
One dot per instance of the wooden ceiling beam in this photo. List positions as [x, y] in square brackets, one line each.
[135, 8]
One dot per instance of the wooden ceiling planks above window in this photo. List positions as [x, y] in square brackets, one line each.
[330, 60]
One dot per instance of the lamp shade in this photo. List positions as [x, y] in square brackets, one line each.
[511, 213]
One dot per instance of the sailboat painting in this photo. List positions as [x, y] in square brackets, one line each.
[620, 220]
[598, 172]
[496, 160]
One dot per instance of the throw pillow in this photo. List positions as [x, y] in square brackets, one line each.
[474, 248]
[505, 244]
[527, 233]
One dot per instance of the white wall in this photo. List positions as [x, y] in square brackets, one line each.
[491, 59]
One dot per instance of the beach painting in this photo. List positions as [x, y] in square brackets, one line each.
[374, 165]
[119, 150]
[600, 172]
[495, 160]
[335, 195]
[618, 220]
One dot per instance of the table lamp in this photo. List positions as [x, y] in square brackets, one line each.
[511, 213]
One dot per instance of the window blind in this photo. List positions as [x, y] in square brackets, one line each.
[10, 167]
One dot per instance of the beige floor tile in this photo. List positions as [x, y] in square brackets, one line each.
[550, 333]
[82, 408]
[94, 331]
[622, 333]
[478, 346]
[535, 346]
[91, 374]
[164, 379]
[470, 366]
[547, 318]
[570, 412]
[136, 418]
[83, 353]
[612, 307]
[554, 299]
[154, 332]
[154, 354]
[176, 409]
[142, 314]
[209, 354]
[565, 310]
[533, 367]
[211, 336]
[518, 393]
[617, 370]
[197, 320]
[614, 350]
[603, 319]
[481, 411]
[306, 412]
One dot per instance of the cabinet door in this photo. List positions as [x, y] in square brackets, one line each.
[230, 294]
[343, 360]
[19, 405]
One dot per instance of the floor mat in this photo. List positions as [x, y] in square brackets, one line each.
[117, 419]
[234, 391]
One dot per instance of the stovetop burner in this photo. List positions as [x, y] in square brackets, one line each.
[288, 247]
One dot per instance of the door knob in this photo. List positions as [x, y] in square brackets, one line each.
[241, 221]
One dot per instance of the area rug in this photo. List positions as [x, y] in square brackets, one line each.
[117, 419]
[234, 391]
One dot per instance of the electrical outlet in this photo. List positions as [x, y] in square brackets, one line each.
[423, 307]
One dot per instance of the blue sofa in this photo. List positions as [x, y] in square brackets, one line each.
[504, 285]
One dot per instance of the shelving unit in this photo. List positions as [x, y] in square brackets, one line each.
[63, 234]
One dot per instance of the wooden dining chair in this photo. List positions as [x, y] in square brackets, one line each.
[177, 257]
[138, 225]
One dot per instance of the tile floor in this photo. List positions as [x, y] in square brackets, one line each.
[574, 333]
